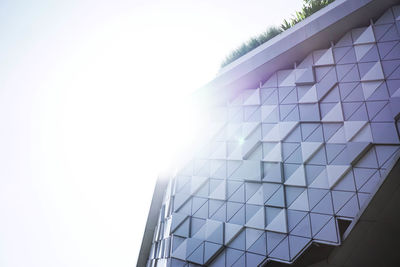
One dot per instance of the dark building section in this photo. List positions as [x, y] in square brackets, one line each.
[374, 240]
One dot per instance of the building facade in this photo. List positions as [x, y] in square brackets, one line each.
[295, 154]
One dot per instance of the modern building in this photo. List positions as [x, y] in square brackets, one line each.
[300, 166]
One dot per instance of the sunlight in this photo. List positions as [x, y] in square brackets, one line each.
[135, 95]
[96, 102]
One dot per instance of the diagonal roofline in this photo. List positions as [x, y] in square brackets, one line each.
[315, 32]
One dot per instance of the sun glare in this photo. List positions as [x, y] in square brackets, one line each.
[96, 101]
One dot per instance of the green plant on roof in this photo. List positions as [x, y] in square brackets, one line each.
[309, 7]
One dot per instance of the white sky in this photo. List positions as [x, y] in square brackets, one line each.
[91, 98]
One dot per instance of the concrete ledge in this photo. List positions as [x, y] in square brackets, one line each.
[316, 32]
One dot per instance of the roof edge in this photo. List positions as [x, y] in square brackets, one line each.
[281, 52]
[156, 203]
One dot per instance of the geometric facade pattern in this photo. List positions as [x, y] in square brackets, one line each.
[286, 160]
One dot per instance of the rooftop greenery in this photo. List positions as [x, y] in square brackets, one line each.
[309, 7]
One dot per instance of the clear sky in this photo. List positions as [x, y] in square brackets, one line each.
[92, 99]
